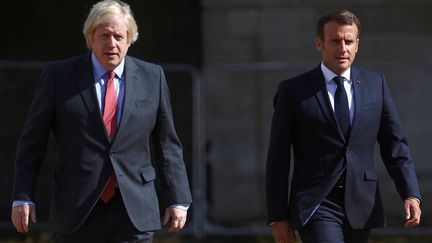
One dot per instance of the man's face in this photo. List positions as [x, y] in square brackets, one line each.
[339, 46]
[110, 43]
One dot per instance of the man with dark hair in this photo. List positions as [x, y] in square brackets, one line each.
[332, 117]
[104, 109]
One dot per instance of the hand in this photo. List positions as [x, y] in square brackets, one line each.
[177, 216]
[412, 212]
[283, 232]
[20, 217]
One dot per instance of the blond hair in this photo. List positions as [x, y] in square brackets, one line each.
[106, 11]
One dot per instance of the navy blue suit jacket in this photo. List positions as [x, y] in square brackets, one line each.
[65, 103]
[304, 121]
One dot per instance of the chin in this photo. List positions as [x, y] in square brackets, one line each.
[113, 64]
[343, 67]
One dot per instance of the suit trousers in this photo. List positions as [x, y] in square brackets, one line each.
[107, 223]
[329, 223]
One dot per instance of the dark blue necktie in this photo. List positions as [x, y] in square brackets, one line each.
[341, 106]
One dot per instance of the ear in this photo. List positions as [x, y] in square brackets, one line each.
[89, 43]
[90, 40]
[319, 44]
[128, 38]
[358, 42]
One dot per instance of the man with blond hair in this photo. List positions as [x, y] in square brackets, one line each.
[107, 111]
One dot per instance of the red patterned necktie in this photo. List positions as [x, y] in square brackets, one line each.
[110, 120]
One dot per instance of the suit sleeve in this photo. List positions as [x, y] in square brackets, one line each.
[279, 155]
[168, 151]
[394, 149]
[32, 144]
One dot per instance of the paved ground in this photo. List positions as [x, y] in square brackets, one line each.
[44, 238]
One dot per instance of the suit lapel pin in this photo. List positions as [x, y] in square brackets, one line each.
[359, 81]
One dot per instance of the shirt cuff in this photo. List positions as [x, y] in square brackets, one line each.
[418, 200]
[184, 207]
[19, 203]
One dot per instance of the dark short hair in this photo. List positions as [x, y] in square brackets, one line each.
[343, 17]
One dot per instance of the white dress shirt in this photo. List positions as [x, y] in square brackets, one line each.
[332, 86]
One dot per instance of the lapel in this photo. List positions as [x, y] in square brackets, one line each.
[130, 92]
[358, 96]
[323, 99]
[84, 79]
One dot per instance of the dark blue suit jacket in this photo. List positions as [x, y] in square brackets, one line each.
[66, 104]
[304, 121]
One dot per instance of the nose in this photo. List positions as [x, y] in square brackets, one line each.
[111, 41]
[343, 46]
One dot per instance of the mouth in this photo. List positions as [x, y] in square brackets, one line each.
[111, 54]
[342, 59]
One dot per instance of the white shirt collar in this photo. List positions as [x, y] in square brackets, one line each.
[329, 75]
